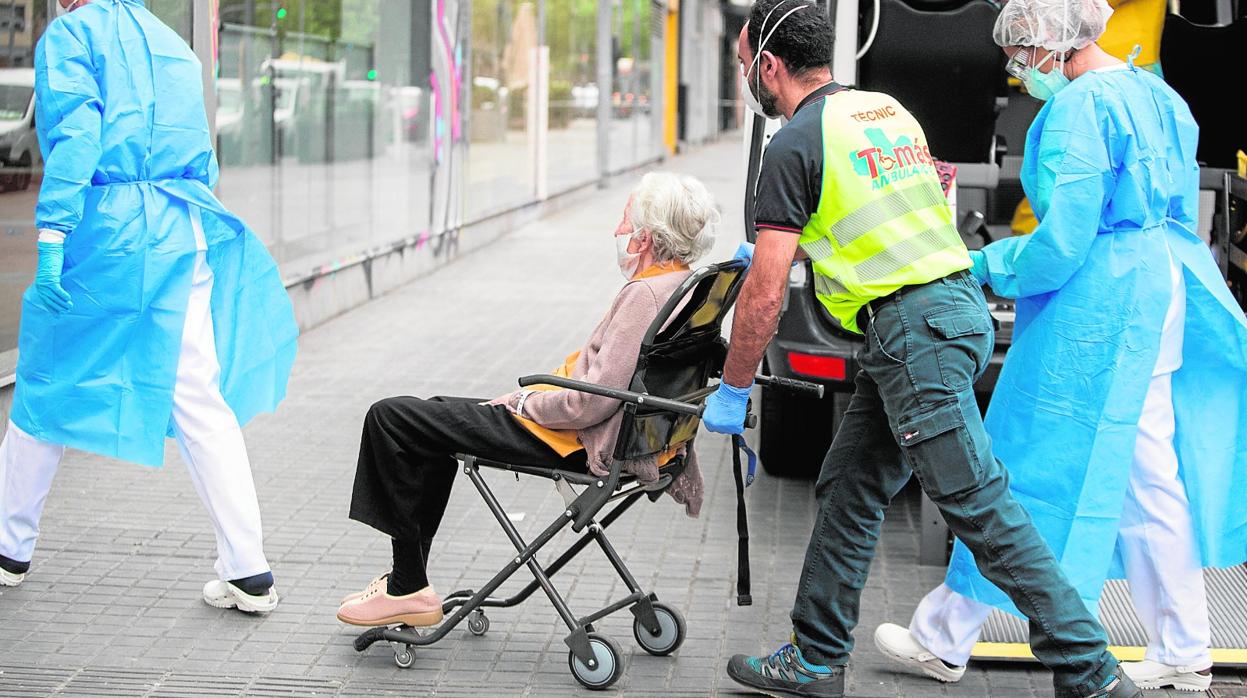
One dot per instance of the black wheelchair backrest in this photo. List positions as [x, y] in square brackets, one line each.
[680, 353]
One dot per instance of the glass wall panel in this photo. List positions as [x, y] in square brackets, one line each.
[21, 166]
[402, 138]
[328, 153]
[178, 14]
[501, 172]
[649, 25]
[247, 119]
[624, 88]
[632, 97]
[571, 34]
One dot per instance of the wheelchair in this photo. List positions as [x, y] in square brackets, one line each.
[681, 353]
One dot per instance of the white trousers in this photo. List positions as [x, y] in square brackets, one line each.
[208, 436]
[1157, 541]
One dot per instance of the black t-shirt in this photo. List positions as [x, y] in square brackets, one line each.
[790, 180]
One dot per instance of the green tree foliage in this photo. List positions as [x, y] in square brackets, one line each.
[571, 34]
[350, 21]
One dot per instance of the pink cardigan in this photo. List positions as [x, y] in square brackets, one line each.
[609, 358]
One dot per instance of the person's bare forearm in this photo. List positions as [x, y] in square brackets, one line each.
[757, 307]
[757, 315]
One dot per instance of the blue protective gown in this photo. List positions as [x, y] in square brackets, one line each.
[127, 151]
[1110, 169]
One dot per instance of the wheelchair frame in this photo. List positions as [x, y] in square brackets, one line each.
[594, 659]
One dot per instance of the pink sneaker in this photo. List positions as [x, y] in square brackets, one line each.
[383, 579]
[376, 607]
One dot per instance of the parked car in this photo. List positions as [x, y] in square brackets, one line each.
[19, 146]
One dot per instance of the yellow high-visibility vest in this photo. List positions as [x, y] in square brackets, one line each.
[882, 220]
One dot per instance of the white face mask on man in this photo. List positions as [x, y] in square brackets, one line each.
[746, 93]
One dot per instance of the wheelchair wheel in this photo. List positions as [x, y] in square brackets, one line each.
[478, 623]
[404, 658]
[608, 660]
[669, 637]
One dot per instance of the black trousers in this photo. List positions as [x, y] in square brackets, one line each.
[406, 460]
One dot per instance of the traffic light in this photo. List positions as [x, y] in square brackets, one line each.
[281, 11]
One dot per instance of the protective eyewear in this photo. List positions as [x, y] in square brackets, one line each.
[1019, 64]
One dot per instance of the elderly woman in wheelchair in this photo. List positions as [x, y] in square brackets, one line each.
[410, 447]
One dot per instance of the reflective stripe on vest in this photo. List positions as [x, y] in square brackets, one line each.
[882, 220]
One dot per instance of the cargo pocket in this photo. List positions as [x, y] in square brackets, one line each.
[937, 446]
[963, 344]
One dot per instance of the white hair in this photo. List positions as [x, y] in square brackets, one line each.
[678, 212]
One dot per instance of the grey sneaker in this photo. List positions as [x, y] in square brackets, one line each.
[786, 673]
[1120, 687]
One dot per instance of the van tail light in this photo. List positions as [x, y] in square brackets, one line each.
[829, 367]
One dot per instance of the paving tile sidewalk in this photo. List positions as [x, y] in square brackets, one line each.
[111, 606]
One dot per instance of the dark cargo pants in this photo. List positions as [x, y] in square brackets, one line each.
[914, 411]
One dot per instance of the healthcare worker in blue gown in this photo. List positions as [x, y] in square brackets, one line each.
[1121, 409]
[154, 310]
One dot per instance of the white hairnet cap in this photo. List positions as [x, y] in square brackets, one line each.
[1057, 25]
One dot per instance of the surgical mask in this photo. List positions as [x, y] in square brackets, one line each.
[1043, 86]
[746, 94]
[629, 262]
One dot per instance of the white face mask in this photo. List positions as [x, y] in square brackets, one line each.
[629, 262]
[747, 94]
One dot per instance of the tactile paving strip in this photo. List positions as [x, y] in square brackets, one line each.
[27, 681]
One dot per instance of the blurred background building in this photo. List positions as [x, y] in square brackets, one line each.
[367, 140]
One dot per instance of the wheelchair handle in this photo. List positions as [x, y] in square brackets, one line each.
[662, 403]
[635, 398]
[791, 385]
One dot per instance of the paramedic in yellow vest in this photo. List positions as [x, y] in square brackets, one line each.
[849, 183]
[1134, 23]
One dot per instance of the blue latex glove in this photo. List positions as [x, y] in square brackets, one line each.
[725, 409]
[745, 252]
[979, 270]
[48, 277]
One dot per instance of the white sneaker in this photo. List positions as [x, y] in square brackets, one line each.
[899, 645]
[1149, 674]
[222, 594]
[9, 579]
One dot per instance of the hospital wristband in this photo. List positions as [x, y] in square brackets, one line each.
[519, 405]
